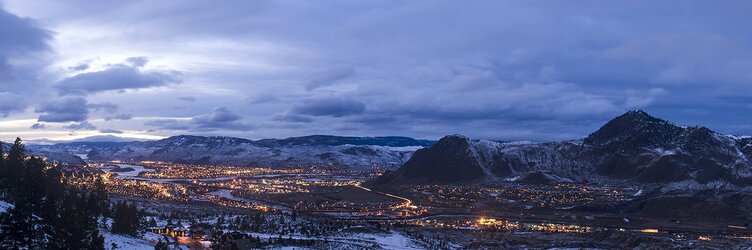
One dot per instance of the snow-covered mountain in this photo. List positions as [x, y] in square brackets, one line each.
[52, 156]
[352, 152]
[632, 147]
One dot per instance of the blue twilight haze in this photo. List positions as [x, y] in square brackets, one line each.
[507, 70]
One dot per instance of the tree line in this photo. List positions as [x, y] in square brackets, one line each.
[48, 213]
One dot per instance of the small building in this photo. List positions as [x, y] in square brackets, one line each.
[240, 241]
[197, 234]
[244, 244]
[200, 231]
[169, 231]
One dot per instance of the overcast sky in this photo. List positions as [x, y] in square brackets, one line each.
[504, 70]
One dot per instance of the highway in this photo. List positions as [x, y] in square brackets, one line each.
[407, 203]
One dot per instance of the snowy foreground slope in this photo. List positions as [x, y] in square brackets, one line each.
[343, 240]
[125, 242]
[632, 147]
[121, 241]
[354, 152]
[392, 240]
[4, 206]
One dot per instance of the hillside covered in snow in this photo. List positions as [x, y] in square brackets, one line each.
[318, 150]
[632, 147]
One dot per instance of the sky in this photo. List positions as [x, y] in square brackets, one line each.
[501, 70]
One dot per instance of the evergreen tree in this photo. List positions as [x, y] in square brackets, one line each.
[75, 228]
[101, 198]
[54, 195]
[3, 169]
[31, 186]
[47, 213]
[13, 164]
[95, 240]
[161, 245]
[127, 219]
[19, 229]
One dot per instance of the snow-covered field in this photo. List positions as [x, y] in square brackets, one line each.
[4, 206]
[390, 240]
[125, 242]
[240, 152]
[393, 240]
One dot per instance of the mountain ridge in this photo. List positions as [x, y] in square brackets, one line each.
[632, 147]
[357, 152]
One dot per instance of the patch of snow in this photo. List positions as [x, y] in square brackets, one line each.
[125, 242]
[392, 240]
[401, 149]
[514, 178]
[4, 206]
[519, 143]
[738, 137]
[638, 193]
[694, 185]
[664, 152]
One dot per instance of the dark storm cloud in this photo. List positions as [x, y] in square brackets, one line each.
[22, 43]
[104, 107]
[330, 106]
[38, 126]
[21, 35]
[292, 118]
[137, 62]
[10, 102]
[117, 77]
[64, 109]
[220, 118]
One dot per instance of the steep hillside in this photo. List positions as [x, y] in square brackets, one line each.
[354, 152]
[632, 147]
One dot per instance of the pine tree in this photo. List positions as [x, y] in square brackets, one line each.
[161, 245]
[127, 219]
[95, 240]
[13, 166]
[54, 194]
[18, 229]
[47, 213]
[3, 169]
[101, 197]
[31, 187]
[118, 218]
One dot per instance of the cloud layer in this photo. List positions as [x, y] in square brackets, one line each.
[65, 109]
[119, 77]
[23, 44]
[491, 69]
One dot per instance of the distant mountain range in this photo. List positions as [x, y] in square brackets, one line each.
[632, 147]
[321, 150]
[96, 138]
